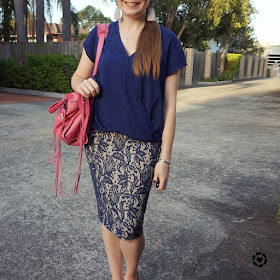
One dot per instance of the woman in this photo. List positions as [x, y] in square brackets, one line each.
[134, 118]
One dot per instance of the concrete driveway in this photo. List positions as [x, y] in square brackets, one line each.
[218, 210]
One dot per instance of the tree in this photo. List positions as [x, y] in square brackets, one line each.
[204, 18]
[166, 10]
[172, 7]
[33, 14]
[20, 24]
[195, 21]
[66, 26]
[69, 17]
[40, 20]
[89, 15]
[229, 18]
[75, 21]
[30, 17]
[6, 23]
[245, 43]
[191, 22]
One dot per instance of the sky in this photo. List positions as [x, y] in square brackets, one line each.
[266, 22]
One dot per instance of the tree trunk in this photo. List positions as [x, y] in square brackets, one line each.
[218, 60]
[182, 30]
[221, 52]
[66, 27]
[6, 7]
[40, 21]
[170, 17]
[20, 25]
[49, 36]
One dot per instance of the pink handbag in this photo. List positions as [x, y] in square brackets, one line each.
[73, 119]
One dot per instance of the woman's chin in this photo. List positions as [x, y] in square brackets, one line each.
[133, 14]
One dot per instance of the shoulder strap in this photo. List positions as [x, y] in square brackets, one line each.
[102, 32]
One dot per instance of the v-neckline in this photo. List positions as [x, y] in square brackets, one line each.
[119, 35]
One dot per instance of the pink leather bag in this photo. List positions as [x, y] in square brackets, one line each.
[73, 119]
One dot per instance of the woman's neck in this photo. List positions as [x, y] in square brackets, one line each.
[128, 23]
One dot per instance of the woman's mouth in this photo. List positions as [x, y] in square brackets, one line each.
[131, 4]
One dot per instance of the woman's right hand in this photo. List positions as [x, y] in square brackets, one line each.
[88, 88]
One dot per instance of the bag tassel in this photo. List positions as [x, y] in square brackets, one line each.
[81, 147]
[79, 170]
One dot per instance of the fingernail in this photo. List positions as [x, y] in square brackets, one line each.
[154, 181]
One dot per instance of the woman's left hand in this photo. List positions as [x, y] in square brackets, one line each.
[161, 171]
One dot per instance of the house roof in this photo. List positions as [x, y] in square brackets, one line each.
[54, 28]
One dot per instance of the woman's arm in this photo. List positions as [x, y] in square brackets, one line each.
[81, 81]
[169, 109]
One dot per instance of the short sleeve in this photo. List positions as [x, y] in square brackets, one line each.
[176, 58]
[90, 44]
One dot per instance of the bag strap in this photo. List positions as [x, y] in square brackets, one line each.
[102, 32]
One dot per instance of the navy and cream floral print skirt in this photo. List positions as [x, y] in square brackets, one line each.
[122, 171]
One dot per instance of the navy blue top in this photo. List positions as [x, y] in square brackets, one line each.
[129, 104]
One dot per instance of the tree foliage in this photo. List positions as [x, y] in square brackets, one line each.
[245, 43]
[89, 15]
[230, 17]
[195, 21]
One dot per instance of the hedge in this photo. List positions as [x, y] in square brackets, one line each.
[42, 72]
[232, 63]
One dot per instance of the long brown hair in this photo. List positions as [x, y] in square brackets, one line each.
[148, 51]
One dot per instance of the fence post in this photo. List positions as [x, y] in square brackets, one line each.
[189, 67]
[256, 66]
[261, 67]
[249, 67]
[207, 64]
[265, 67]
[275, 69]
[241, 67]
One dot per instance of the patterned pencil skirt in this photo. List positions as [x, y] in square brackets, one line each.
[122, 170]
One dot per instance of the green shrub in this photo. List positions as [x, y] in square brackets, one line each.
[5, 71]
[226, 76]
[42, 72]
[268, 73]
[203, 79]
[232, 63]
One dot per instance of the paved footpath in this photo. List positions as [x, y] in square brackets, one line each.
[9, 98]
[218, 210]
